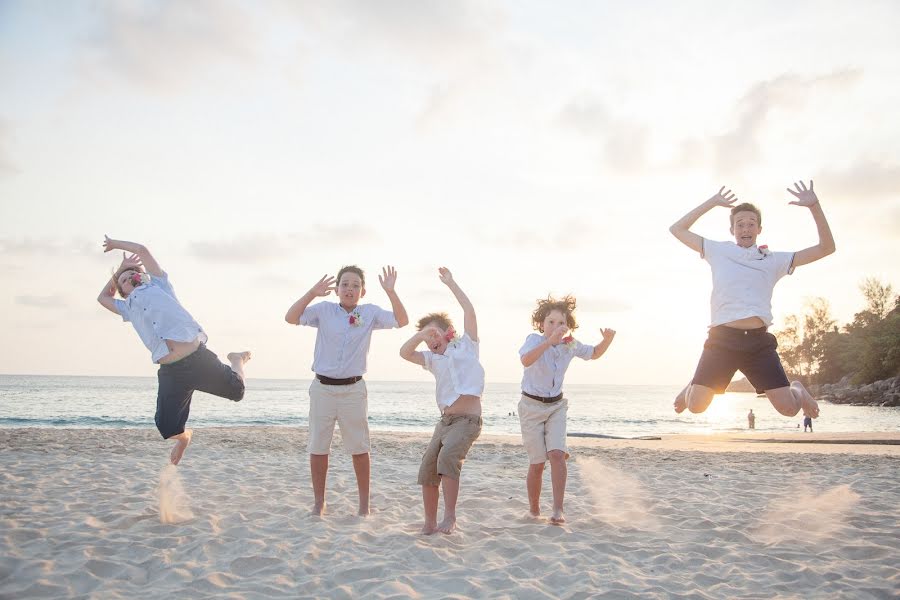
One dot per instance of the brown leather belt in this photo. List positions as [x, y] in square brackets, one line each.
[542, 399]
[330, 381]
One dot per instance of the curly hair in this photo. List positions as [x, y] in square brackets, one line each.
[565, 305]
[746, 207]
[441, 319]
[351, 269]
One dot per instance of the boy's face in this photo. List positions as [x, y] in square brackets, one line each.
[552, 321]
[745, 227]
[124, 281]
[350, 289]
[436, 340]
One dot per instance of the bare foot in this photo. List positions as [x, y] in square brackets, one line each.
[243, 357]
[318, 509]
[558, 518]
[429, 528]
[681, 400]
[448, 525]
[364, 512]
[534, 513]
[807, 402]
[182, 441]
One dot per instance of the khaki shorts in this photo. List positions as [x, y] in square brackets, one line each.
[543, 428]
[346, 404]
[453, 436]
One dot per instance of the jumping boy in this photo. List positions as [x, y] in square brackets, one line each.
[744, 276]
[176, 342]
[338, 392]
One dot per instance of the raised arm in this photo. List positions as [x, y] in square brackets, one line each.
[807, 197]
[599, 349]
[322, 288]
[388, 280]
[147, 259]
[470, 323]
[681, 229]
[554, 338]
[408, 349]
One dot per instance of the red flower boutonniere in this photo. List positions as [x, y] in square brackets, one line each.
[764, 250]
[355, 319]
[451, 337]
[138, 279]
[569, 341]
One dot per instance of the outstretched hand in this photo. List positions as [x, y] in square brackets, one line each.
[130, 262]
[388, 278]
[324, 286]
[109, 244]
[558, 334]
[723, 197]
[445, 275]
[805, 197]
[608, 334]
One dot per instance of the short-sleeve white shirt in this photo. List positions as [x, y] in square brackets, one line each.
[341, 346]
[157, 316]
[544, 377]
[456, 372]
[743, 280]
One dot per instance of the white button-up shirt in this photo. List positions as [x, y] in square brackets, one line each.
[342, 346]
[743, 280]
[157, 316]
[456, 372]
[544, 377]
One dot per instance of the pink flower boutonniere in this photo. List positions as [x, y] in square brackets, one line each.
[355, 319]
[764, 250]
[569, 341]
[451, 337]
[138, 279]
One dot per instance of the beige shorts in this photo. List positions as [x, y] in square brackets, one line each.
[453, 436]
[346, 404]
[543, 428]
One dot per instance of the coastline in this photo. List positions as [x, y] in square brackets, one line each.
[710, 516]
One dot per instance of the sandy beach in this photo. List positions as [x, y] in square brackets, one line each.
[747, 516]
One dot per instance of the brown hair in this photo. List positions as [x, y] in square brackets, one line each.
[351, 269]
[441, 319]
[565, 305]
[746, 207]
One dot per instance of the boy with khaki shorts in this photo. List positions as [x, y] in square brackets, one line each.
[459, 379]
[542, 410]
[338, 392]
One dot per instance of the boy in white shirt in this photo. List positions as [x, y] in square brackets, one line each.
[459, 382]
[176, 342]
[338, 392]
[744, 276]
[542, 409]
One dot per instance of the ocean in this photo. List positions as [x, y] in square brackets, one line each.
[610, 410]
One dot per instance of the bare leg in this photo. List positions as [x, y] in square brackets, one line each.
[451, 493]
[318, 468]
[237, 360]
[361, 465]
[792, 399]
[558, 473]
[182, 441]
[699, 398]
[430, 496]
[533, 484]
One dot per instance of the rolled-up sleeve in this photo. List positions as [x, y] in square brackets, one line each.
[383, 319]
[310, 316]
[123, 309]
[585, 351]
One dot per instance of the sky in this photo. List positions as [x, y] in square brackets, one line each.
[533, 148]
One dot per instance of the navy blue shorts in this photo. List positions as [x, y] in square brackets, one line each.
[750, 351]
[200, 370]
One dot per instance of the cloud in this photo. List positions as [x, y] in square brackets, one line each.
[739, 146]
[54, 301]
[51, 247]
[165, 43]
[863, 179]
[571, 234]
[262, 248]
[623, 142]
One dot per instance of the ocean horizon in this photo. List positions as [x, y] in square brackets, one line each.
[596, 409]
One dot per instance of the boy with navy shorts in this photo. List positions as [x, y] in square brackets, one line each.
[744, 276]
[338, 393]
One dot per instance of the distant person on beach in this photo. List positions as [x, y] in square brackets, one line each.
[338, 392]
[459, 382]
[176, 342]
[751, 420]
[807, 422]
[744, 276]
[542, 409]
